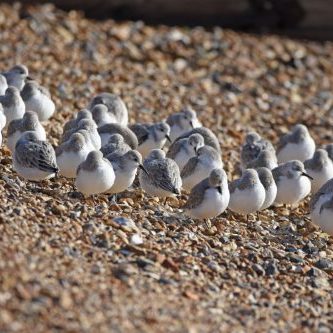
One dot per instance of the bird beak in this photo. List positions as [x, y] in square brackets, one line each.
[168, 138]
[191, 124]
[306, 175]
[29, 78]
[195, 149]
[219, 189]
[144, 169]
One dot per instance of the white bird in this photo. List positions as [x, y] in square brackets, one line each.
[116, 106]
[247, 194]
[267, 180]
[265, 159]
[151, 136]
[17, 127]
[71, 153]
[321, 208]
[210, 197]
[297, 145]
[13, 105]
[182, 150]
[320, 168]
[161, 177]
[293, 183]
[182, 122]
[16, 76]
[200, 166]
[95, 175]
[38, 99]
[34, 159]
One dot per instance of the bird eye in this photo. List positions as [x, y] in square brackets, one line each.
[162, 129]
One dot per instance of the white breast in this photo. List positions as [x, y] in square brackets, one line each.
[42, 105]
[68, 162]
[122, 181]
[270, 195]
[300, 151]
[320, 178]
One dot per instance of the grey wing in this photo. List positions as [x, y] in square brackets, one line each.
[13, 126]
[171, 120]
[197, 195]
[174, 149]
[44, 91]
[234, 185]
[326, 188]
[162, 177]
[189, 167]
[4, 100]
[140, 131]
[37, 155]
[277, 173]
[282, 143]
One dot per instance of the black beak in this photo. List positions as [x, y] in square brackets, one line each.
[29, 78]
[168, 138]
[219, 188]
[191, 124]
[306, 175]
[144, 169]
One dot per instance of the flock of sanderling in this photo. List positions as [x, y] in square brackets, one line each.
[103, 153]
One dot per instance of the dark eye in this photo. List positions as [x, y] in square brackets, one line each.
[162, 129]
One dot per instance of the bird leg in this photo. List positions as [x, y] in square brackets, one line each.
[113, 199]
[208, 224]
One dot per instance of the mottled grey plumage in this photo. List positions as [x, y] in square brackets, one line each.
[116, 144]
[265, 159]
[141, 131]
[129, 137]
[75, 143]
[83, 124]
[27, 123]
[10, 98]
[193, 142]
[298, 134]
[318, 161]
[286, 170]
[325, 189]
[247, 181]
[150, 131]
[82, 114]
[209, 137]
[16, 76]
[266, 177]
[329, 149]
[29, 90]
[33, 153]
[92, 162]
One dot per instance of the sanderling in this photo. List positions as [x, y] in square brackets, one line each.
[34, 159]
[320, 168]
[297, 145]
[87, 138]
[254, 144]
[265, 159]
[101, 115]
[182, 150]
[151, 136]
[116, 144]
[200, 166]
[182, 122]
[95, 175]
[13, 105]
[293, 183]
[91, 127]
[107, 130]
[71, 153]
[321, 207]
[125, 168]
[163, 178]
[17, 127]
[267, 180]
[210, 197]
[16, 76]
[3, 85]
[247, 194]
[116, 106]
[329, 149]
[37, 98]
[209, 137]
[72, 124]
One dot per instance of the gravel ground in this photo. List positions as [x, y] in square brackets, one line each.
[68, 266]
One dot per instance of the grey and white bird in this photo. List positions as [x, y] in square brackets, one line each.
[247, 194]
[267, 180]
[116, 144]
[320, 168]
[265, 159]
[253, 146]
[162, 177]
[17, 127]
[91, 127]
[107, 130]
[210, 197]
[292, 181]
[71, 153]
[3, 85]
[13, 105]
[321, 208]
[297, 145]
[16, 76]
[102, 116]
[95, 175]
[38, 99]
[200, 166]
[72, 123]
[151, 136]
[209, 137]
[125, 168]
[182, 150]
[116, 106]
[182, 122]
[34, 159]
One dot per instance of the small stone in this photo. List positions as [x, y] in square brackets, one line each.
[258, 269]
[136, 239]
[325, 265]
[271, 268]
